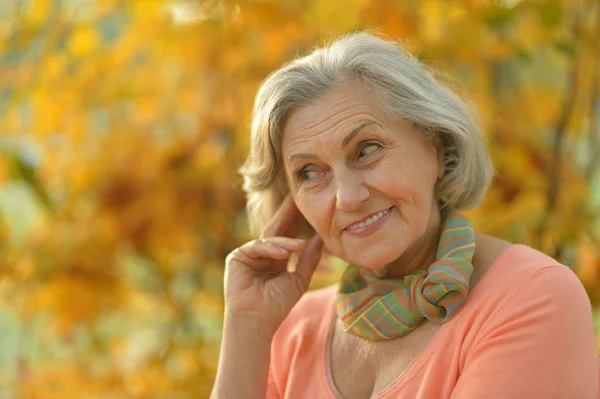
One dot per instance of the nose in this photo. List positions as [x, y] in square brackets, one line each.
[352, 193]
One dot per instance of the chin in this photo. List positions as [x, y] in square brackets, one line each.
[374, 260]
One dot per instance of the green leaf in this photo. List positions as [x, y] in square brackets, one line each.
[551, 14]
[499, 17]
[565, 47]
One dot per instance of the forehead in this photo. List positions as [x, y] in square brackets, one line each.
[330, 117]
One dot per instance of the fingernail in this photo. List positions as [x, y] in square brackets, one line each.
[282, 250]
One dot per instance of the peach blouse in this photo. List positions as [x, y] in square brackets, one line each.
[526, 331]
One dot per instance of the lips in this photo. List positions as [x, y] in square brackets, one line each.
[366, 221]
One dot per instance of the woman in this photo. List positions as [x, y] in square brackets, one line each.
[358, 152]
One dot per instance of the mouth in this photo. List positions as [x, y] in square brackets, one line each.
[368, 221]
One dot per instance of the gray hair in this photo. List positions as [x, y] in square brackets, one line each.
[402, 86]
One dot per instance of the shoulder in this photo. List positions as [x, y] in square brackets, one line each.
[542, 280]
[299, 342]
[524, 282]
[520, 264]
[307, 316]
[530, 323]
[316, 297]
[507, 262]
[316, 300]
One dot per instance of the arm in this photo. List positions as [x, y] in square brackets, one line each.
[538, 344]
[259, 294]
[244, 361]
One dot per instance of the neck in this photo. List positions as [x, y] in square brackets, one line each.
[420, 255]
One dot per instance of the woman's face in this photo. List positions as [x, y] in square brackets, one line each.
[364, 181]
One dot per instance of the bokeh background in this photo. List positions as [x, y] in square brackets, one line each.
[122, 125]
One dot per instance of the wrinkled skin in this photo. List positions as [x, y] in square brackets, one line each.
[387, 164]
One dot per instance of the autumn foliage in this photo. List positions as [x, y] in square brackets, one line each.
[122, 125]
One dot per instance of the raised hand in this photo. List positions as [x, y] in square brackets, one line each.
[257, 282]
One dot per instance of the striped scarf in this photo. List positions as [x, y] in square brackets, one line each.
[377, 309]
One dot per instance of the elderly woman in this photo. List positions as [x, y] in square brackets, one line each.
[358, 146]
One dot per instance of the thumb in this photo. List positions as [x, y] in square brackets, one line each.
[308, 261]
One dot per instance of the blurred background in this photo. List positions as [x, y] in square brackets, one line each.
[123, 123]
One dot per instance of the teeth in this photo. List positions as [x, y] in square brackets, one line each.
[370, 220]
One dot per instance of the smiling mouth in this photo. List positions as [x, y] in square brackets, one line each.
[369, 221]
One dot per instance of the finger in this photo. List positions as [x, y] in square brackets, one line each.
[282, 219]
[272, 262]
[257, 248]
[262, 249]
[291, 244]
[309, 259]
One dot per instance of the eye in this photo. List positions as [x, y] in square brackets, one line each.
[308, 173]
[368, 149]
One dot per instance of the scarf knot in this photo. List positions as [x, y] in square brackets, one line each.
[376, 309]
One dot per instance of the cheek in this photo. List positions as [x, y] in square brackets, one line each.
[403, 183]
[303, 203]
[391, 180]
[316, 216]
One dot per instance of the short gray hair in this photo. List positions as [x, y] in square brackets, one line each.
[403, 87]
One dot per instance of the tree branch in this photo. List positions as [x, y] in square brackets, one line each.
[594, 134]
[554, 175]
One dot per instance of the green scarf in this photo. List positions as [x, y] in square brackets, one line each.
[377, 309]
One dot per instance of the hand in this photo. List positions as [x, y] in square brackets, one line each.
[257, 282]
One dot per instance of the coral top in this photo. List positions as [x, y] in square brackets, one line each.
[526, 331]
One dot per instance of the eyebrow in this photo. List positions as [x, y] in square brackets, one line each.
[353, 133]
[345, 142]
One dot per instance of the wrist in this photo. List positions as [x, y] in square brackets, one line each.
[244, 359]
[249, 324]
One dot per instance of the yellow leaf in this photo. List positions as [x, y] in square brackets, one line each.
[498, 51]
[4, 169]
[588, 262]
[433, 16]
[54, 66]
[83, 41]
[335, 18]
[39, 11]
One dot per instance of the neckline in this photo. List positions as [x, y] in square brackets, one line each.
[421, 357]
